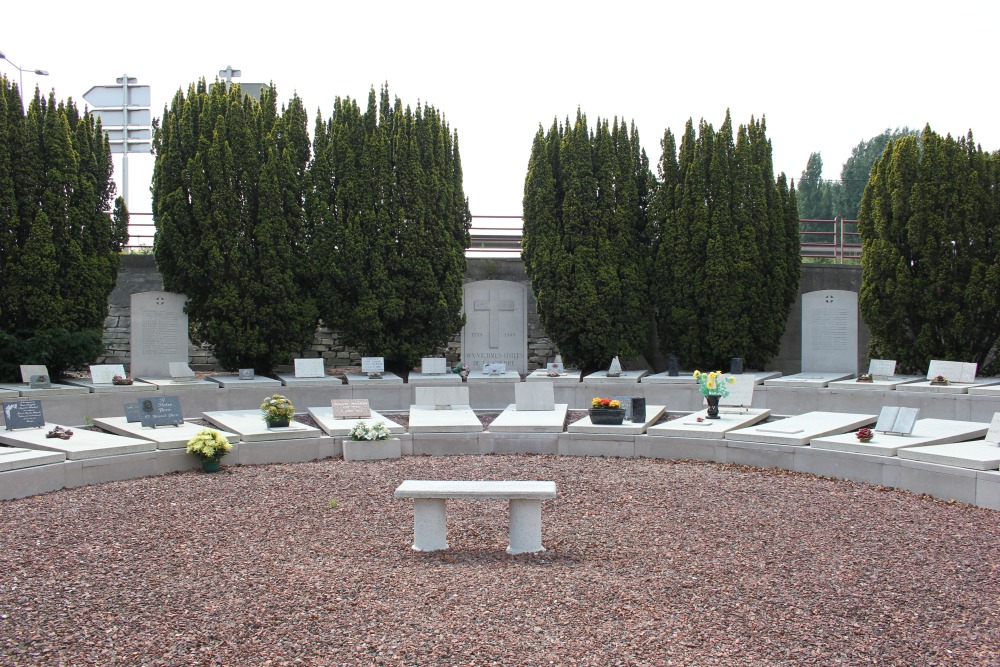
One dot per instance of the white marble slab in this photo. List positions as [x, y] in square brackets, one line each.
[341, 427]
[171, 385]
[433, 378]
[83, 445]
[542, 375]
[682, 377]
[8, 393]
[799, 430]
[250, 426]
[479, 376]
[975, 455]
[627, 377]
[233, 380]
[365, 381]
[875, 385]
[688, 426]
[93, 388]
[952, 388]
[17, 458]
[325, 381]
[925, 432]
[25, 391]
[513, 420]
[815, 380]
[992, 389]
[165, 437]
[653, 414]
[459, 419]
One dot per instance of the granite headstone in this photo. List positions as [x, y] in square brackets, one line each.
[496, 324]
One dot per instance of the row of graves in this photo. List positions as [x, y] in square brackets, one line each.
[894, 446]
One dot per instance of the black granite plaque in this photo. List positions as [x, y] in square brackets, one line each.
[161, 411]
[23, 414]
[132, 413]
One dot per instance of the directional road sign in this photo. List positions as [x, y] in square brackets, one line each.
[111, 96]
[116, 117]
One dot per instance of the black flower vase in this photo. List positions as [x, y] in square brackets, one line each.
[713, 406]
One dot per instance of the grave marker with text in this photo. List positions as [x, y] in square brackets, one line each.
[496, 324]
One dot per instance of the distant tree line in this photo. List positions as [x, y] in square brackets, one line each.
[59, 245]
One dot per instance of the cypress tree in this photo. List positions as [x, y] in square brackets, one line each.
[727, 259]
[931, 264]
[391, 223]
[228, 204]
[585, 239]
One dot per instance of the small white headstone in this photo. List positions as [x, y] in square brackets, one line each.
[740, 392]
[615, 370]
[993, 435]
[896, 420]
[105, 373]
[309, 368]
[556, 367]
[30, 370]
[494, 369]
[881, 369]
[442, 397]
[373, 365]
[534, 396]
[181, 372]
[954, 371]
[351, 408]
[433, 366]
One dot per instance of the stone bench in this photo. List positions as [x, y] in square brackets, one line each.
[429, 497]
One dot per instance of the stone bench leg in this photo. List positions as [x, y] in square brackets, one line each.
[429, 525]
[525, 527]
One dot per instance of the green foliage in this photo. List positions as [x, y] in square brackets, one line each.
[815, 196]
[57, 349]
[857, 169]
[390, 224]
[59, 246]
[228, 204]
[727, 254]
[931, 263]
[585, 239]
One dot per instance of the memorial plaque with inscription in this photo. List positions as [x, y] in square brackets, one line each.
[23, 414]
[246, 374]
[309, 368]
[27, 370]
[830, 331]
[434, 366]
[39, 382]
[373, 365]
[351, 408]
[740, 392]
[496, 324]
[898, 420]
[882, 369]
[105, 373]
[132, 413]
[161, 411]
[159, 328]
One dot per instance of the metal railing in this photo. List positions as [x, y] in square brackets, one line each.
[500, 236]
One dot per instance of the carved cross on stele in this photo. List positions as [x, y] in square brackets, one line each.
[494, 305]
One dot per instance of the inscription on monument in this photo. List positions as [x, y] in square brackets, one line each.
[159, 333]
[830, 331]
[496, 325]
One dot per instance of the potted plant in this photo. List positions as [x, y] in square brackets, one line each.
[713, 387]
[864, 435]
[606, 412]
[371, 442]
[277, 411]
[210, 446]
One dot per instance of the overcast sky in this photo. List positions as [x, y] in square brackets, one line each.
[824, 75]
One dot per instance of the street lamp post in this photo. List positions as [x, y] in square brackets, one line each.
[21, 71]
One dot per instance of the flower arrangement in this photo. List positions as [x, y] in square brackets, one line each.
[60, 432]
[864, 434]
[121, 381]
[940, 379]
[377, 431]
[209, 445]
[714, 383]
[864, 377]
[277, 408]
[605, 404]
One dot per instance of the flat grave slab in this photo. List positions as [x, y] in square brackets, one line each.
[815, 380]
[459, 419]
[975, 455]
[172, 385]
[250, 426]
[513, 420]
[341, 427]
[292, 381]
[365, 381]
[688, 426]
[986, 389]
[665, 378]
[94, 388]
[653, 414]
[17, 458]
[25, 391]
[479, 376]
[799, 430]
[434, 378]
[9, 393]
[165, 437]
[233, 380]
[83, 445]
[925, 432]
[875, 385]
[542, 375]
[952, 388]
[627, 377]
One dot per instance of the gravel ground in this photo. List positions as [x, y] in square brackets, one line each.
[648, 563]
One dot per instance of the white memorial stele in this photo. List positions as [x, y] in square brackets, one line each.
[309, 368]
[373, 367]
[993, 435]
[433, 366]
[881, 369]
[740, 392]
[105, 373]
[615, 370]
[896, 420]
[953, 371]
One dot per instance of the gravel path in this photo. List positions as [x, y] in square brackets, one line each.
[649, 563]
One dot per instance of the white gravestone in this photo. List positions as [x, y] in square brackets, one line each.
[29, 371]
[433, 366]
[740, 392]
[443, 397]
[181, 372]
[533, 396]
[159, 333]
[830, 331]
[882, 369]
[897, 420]
[496, 324]
[993, 435]
[953, 371]
[309, 368]
[105, 373]
[373, 365]
[495, 369]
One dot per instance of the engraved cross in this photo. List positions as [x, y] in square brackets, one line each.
[494, 305]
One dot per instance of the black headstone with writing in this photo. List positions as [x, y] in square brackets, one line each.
[161, 411]
[23, 414]
[132, 413]
[736, 366]
[638, 410]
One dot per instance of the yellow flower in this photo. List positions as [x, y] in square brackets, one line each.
[615, 405]
[730, 380]
[712, 376]
[711, 384]
[697, 374]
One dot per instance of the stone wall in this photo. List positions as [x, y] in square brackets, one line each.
[138, 274]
